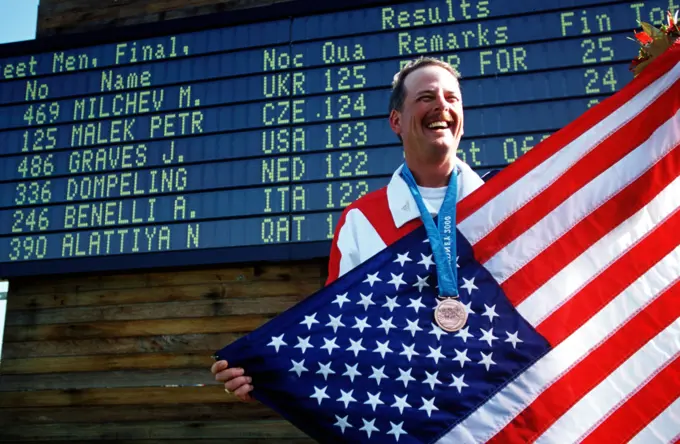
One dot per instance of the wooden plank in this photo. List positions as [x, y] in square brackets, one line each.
[271, 429]
[197, 359]
[167, 310]
[213, 394]
[188, 441]
[121, 329]
[207, 291]
[125, 413]
[108, 379]
[72, 284]
[189, 343]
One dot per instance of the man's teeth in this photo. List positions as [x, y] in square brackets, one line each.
[438, 125]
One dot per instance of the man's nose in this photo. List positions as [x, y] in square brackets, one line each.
[441, 102]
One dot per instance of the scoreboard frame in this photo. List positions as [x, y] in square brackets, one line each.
[204, 256]
[188, 259]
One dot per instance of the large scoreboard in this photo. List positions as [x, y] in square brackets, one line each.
[242, 136]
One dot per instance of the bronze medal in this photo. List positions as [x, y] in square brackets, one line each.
[450, 315]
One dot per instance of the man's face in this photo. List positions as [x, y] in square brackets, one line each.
[431, 120]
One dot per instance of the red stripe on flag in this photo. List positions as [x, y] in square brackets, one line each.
[546, 149]
[593, 369]
[606, 154]
[638, 411]
[611, 282]
[583, 235]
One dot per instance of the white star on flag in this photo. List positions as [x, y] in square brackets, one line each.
[463, 334]
[276, 342]
[405, 377]
[400, 403]
[351, 371]
[469, 285]
[513, 338]
[356, 346]
[397, 430]
[486, 360]
[412, 327]
[435, 353]
[397, 280]
[468, 308]
[335, 322]
[369, 427]
[378, 374]
[303, 344]
[458, 382]
[428, 406]
[391, 303]
[372, 278]
[366, 300]
[361, 323]
[320, 394]
[416, 304]
[298, 367]
[402, 258]
[341, 299]
[309, 321]
[490, 312]
[437, 331]
[373, 400]
[325, 370]
[461, 357]
[342, 423]
[409, 351]
[329, 344]
[431, 379]
[422, 283]
[382, 348]
[346, 397]
[426, 261]
[386, 324]
[487, 336]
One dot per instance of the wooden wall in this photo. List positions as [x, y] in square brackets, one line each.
[126, 358]
[66, 16]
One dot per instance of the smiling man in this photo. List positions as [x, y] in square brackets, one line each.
[426, 113]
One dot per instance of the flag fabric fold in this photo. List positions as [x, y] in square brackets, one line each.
[569, 267]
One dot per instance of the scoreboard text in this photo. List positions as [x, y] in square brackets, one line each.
[206, 146]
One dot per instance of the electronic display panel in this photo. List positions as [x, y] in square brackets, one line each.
[244, 137]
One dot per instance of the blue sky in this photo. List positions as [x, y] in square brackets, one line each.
[18, 20]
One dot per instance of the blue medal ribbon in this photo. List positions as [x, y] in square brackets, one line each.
[442, 237]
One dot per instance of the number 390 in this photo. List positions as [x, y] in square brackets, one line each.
[31, 247]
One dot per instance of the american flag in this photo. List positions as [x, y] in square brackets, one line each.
[569, 267]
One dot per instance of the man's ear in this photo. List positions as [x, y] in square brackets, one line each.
[395, 122]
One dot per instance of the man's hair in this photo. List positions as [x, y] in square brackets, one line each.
[399, 90]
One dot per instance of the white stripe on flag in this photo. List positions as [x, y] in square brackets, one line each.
[502, 408]
[584, 201]
[620, 384]
[482, 221]
[664, 428]
[551, 295]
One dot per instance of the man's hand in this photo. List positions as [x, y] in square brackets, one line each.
[234, 380]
